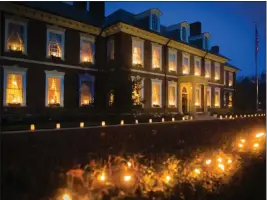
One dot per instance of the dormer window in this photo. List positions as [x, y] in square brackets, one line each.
[184, 34]
[184, 31]
[154, 22]
[206, 43]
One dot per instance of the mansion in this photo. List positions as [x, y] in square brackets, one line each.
[59, 56]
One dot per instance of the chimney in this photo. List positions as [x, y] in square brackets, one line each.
[97, 11]
[195, 29]
[80, 5]
[215, 49]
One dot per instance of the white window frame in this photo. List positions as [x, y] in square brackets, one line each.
[172, 51]
[217, 69]
[231, 79]
[142, 84]
[197, 59]
[57, 30]
[198, 87]
[156, 81]
[208, 68]
[22, 22]
[136, 40]
[173, 84]
[89, 38]
[219, 92]
[110, 45]
[186, 55]
[159, 47]
[15, 70]
[208, 89]
[54, 74]
[158, 21]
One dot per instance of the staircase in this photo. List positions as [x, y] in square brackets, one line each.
[203, 116]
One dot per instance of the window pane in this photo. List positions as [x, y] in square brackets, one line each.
[197, 102]
[207, 70]
[137, 53]
[172, 99]
[15, 38]
[217, 100]
[86, 51]
[53, 91]
[155, 94]
[156, 57]
[14, 89]
[172, 64]
[154, 22]
[185, 65]
[208, 98]
[230, 79]
[137, 92]
[86, 92]
[55, 44]
[197, 68]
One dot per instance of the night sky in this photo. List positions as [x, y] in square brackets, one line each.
[231, 25]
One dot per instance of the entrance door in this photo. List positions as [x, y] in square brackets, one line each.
[184, 101]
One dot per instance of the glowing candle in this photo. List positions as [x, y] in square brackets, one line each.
[173, 119]
[103, 123]
[32, 127]
[162, 120]
[58, 125]
[66, 197]
[81, 124]
[150, 120]
[168, 178]
[122, 122]
[136, 121]
[208, 162]
[221, 166]
[197, 171]
[127, 178]
[183, 118]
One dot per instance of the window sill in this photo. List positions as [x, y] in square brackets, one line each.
[54, 106]
[156, 106]
[54, 58]
[138, 66]
[14, 106]
[172, 106]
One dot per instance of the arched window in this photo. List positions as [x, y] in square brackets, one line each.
[154, 22]
[183, 34]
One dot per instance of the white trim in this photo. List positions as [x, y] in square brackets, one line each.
[196, 58]
[21, 22]
[217, 69]
[186, 55]
[136, 40]
[91, 39]
[57, 30]
[211, 83]
[152, 73]
[156, 81]
[219, 92]
[159, 47]
[15, 70]
[46, 63]
[173, 84]
[54, 74]
[172, 51]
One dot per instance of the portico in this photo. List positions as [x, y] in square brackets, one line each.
[192, 97]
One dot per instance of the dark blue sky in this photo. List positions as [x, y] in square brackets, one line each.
[231, 25]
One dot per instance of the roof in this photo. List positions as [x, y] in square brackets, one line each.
[232, 66]
[61, 9]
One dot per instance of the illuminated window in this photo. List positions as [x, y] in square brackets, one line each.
[172, 60]
[208, 96]
[230, 104]
[172, 94]
[217, 98]
[137, 90]
[186, 63]
[16, 35]
[156, 93]
[197, 66]
[55, 42]
[207, 69]
[230, 79]
[54, 88]
[217, 71]
[137, 51]
[87, 48]
[224, 75]
[225, 96]
[111, 98]
[198, 96]
[156, 56]
[87, 88]
[14, 86]
[111, 49]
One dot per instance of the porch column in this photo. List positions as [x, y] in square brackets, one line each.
[193, 107]
[205, 99]
[179, 97]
